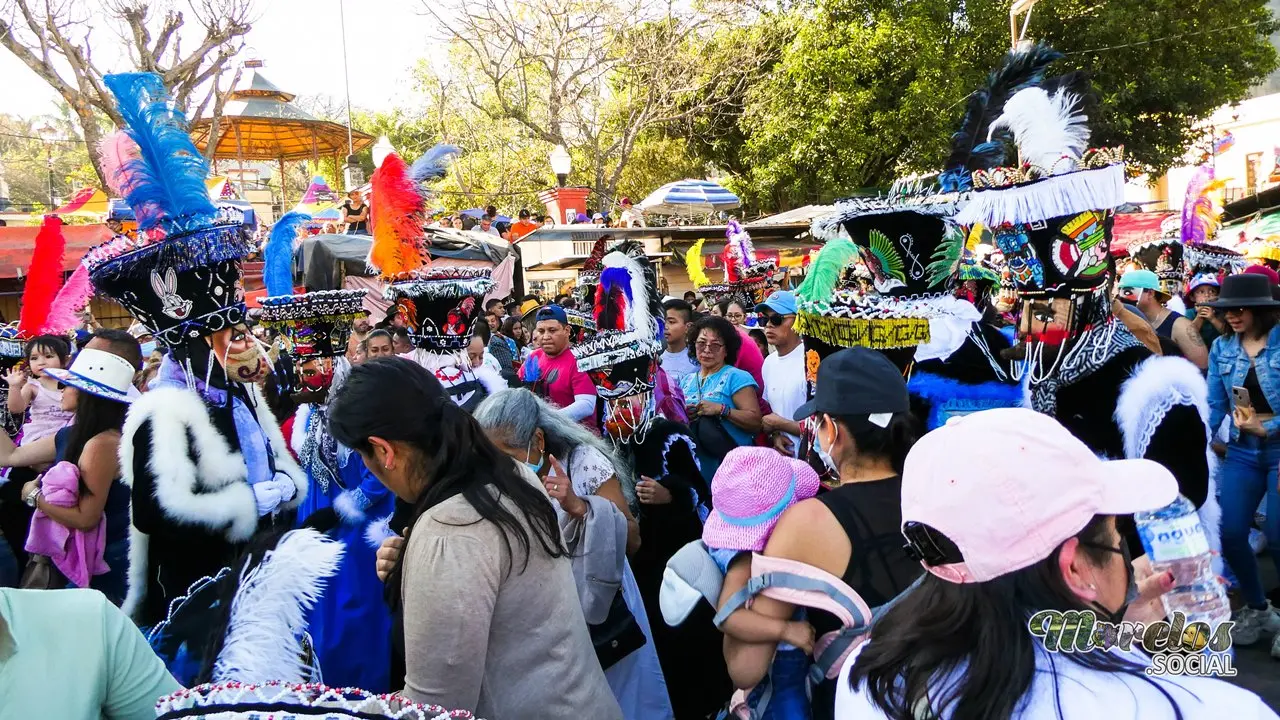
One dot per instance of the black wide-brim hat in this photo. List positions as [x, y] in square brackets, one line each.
[182, 286]
[317, 323]
[1245, 290]
[441, 305]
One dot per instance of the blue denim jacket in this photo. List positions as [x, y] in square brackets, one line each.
[1228, 366]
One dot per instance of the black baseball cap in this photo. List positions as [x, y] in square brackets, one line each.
[857, 381]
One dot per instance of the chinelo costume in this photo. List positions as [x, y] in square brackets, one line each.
[440, 304]
[1052, 218]
[202, 454]
[350, 625]
[746, 278]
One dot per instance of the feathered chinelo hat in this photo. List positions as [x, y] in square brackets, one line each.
[745, 276]
[49, 306]
[318, 324]
[622, 358]
[440, 305]
[181, 275]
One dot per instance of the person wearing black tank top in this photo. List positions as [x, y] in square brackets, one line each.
[864, 429]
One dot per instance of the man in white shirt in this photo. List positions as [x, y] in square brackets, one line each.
[785, 387]
[631, 217]
[675, 359]
[486, 226]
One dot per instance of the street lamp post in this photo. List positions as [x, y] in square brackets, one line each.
[47, 134]
[561, 164]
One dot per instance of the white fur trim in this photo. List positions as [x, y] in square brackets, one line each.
[378, 531]
[1051, 197]
[492, 381]
[1157, 384]
[212, 493]
[136, 591]
[299, 435]
[350, 505]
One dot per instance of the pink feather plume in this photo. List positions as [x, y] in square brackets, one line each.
[115, 151]
[71, 299]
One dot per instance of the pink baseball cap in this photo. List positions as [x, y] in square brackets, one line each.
[1006, 487]
[751, 489]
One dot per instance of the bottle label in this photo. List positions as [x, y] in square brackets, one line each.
[1175, 539]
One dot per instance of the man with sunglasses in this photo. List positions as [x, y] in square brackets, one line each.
[785, 389]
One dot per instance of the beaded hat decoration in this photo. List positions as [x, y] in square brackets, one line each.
[181, 275]
[294, 701]
[317, 324]
[745, 277]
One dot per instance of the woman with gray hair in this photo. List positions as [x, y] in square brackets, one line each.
[551, 445]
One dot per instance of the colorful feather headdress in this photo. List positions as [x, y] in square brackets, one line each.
[745, 276]
[180, 276]
[398, 211]
[49, 307]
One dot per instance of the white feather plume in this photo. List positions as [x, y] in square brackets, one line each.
[268, 613]
[1050, 131]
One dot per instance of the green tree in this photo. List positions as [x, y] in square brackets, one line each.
[862, 92]
[26, 165]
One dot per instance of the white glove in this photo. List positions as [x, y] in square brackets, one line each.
[270, 494]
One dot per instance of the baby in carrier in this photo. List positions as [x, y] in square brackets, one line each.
[751, 489]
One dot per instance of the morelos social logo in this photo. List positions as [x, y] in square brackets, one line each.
[1176, 647]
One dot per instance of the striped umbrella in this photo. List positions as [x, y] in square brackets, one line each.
[686, 197]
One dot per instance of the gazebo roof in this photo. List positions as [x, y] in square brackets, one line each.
[260, 123]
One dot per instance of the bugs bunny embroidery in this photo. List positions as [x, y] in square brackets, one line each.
[173, 304]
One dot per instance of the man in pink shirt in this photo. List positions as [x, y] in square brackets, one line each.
[552, 371]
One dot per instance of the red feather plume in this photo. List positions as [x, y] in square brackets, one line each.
[44, 277]
[396, 214]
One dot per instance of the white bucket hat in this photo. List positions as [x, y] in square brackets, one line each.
[100, 373]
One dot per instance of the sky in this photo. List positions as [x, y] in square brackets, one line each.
[301, 43]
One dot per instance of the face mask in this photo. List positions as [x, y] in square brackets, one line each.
[148, 348]
[533, 467]
[822, 454]
[1131, 583]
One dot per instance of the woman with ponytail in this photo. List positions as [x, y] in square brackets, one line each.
[492, 620]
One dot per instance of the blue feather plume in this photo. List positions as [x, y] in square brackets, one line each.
[433, 164]
[277, 256]
[617, 277]
[970, 149]
[166, 181]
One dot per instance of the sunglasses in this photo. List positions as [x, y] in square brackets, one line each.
[776, 320]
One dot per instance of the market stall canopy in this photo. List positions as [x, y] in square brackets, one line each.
[318, 198]
[259, 122]
[806, 214]
[89, 201]
[17, 244]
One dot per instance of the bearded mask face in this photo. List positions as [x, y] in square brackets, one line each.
[241, 355]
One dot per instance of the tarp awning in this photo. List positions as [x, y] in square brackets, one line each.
[17, 244]
[1133, 228]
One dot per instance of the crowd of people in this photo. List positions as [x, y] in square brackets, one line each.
[839, 498]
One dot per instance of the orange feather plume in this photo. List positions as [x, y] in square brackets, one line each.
[397, 217]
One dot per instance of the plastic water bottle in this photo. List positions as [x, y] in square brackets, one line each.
[1175, 540]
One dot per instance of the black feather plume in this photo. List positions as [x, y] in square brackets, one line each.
[970, 149]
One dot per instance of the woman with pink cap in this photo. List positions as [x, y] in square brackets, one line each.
[1011, 515]
[750, 491]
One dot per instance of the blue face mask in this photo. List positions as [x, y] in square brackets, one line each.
[822, 454]
[148, 348]
[533, 467]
